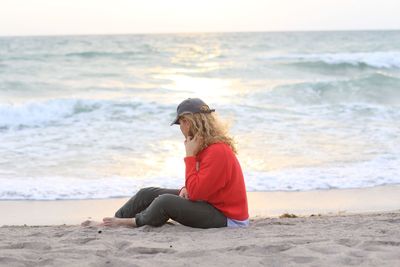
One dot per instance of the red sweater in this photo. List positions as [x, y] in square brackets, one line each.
[218, 180]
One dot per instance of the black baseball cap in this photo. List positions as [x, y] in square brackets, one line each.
[191, 106]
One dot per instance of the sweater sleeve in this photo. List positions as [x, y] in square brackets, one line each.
[210, 178]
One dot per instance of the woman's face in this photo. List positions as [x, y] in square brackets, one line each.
[184, 124]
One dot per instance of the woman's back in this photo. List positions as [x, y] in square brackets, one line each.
[215, 176]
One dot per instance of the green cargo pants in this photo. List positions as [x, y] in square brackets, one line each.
[155, 206]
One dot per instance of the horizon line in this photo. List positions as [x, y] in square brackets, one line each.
[197, 32]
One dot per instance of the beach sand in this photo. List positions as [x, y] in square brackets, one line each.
[335, 228]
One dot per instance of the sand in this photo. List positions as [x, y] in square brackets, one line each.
[345, 233]
[362, 239]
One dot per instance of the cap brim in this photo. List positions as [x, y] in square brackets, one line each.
[176, 121]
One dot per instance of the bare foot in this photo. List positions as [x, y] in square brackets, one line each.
[90, 223]
[115, 222]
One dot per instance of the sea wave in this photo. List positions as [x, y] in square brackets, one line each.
[377, 88]
[118, 55]
[380, 60]
[104, 54]
[42, 113]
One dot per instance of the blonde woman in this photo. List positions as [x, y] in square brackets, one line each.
[214, 194]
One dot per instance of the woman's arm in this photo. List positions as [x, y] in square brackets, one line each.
[211, 176]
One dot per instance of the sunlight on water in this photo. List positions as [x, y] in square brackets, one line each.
[312, 150]
[195, 54]
[206, 88]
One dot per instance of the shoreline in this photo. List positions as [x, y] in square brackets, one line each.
[261, 205]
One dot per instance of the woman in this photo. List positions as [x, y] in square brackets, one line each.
[214, 194]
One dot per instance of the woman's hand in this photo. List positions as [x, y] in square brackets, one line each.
[184, 193]
[193, 145]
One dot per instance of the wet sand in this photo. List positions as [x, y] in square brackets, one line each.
[261, 204]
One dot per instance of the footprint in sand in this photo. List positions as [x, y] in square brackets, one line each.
[148, 250]
[326, 250]
[122, 245]
[348, 242]
[301, 259]
[79, 240]
[260, 250]
[9, 261]
[82, 241]
[383, 243]
[29, 245]
[345, 261]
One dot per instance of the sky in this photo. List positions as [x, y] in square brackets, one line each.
[63, 17]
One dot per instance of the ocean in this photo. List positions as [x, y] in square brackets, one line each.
[88, 117]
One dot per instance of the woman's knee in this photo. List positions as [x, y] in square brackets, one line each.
[166, 200]
[145, 192]
[135, 204]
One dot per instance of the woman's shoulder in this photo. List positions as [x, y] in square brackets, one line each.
[220, 147]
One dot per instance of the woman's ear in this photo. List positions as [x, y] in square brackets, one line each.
[187, 126]
[183, 122]
[186, 123]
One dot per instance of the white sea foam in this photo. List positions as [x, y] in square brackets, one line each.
[384, 60]
[356, 175]
[379, 171]
[59, 188]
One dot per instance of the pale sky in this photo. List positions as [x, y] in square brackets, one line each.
[59, 17]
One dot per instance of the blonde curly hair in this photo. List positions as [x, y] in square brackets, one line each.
[210, 128]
